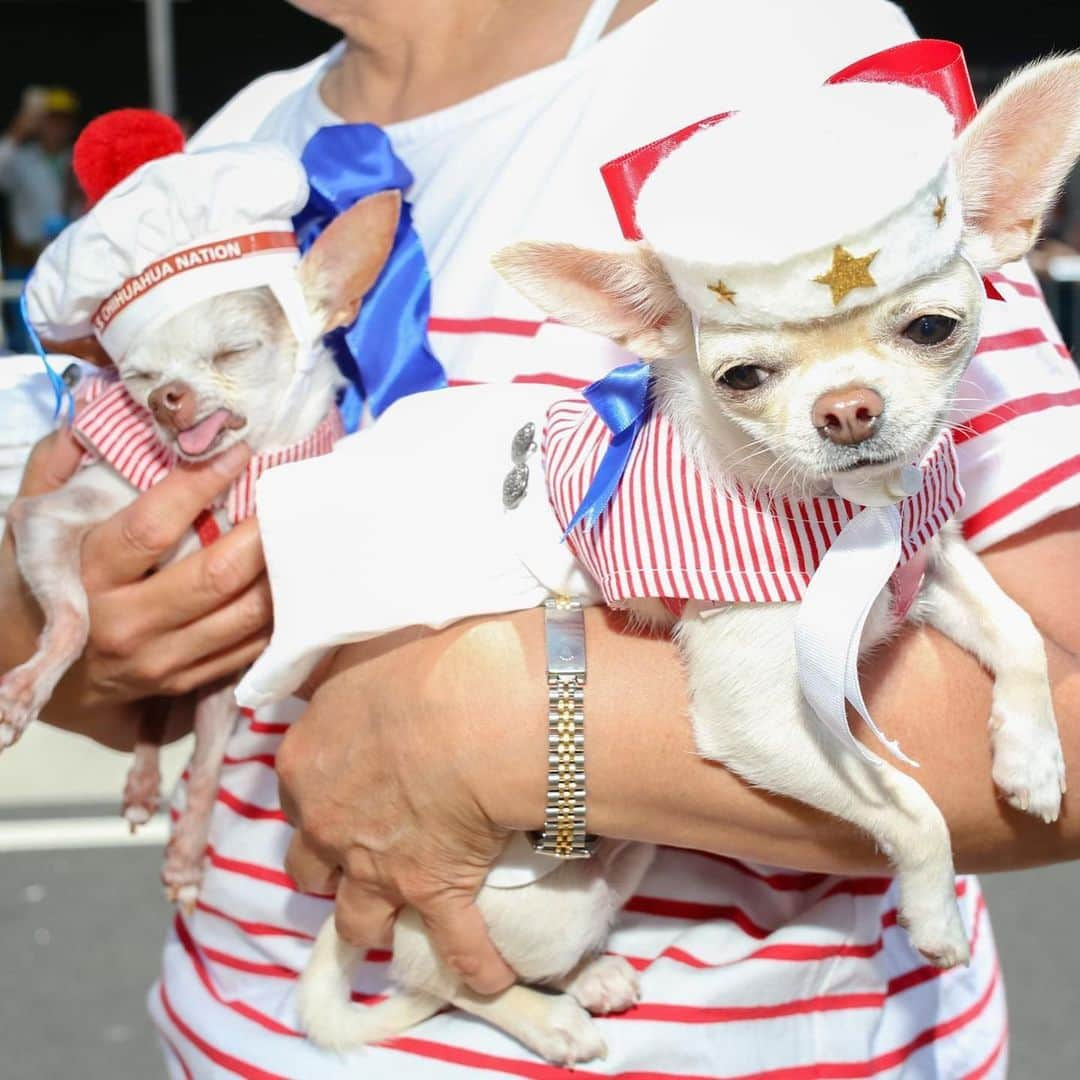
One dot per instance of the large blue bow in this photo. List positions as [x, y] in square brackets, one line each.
[621, 399]
[385, 353]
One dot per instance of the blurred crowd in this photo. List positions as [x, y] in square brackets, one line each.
[37, 186]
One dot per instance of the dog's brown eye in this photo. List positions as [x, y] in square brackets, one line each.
[930, 329]
[743, 377]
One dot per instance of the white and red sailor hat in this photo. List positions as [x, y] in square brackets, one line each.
[792, 210]
[168, 228]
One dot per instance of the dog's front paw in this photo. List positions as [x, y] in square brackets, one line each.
[938, 934]
[1029, 769]
[568, 1036]
[18, 706]
[605, 985]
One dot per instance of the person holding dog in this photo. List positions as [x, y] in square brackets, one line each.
[503, 112]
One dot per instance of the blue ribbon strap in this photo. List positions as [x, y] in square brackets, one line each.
[622, 400]
[60, 388]
[385, 353]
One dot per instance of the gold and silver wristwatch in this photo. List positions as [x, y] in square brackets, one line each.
[564, 834]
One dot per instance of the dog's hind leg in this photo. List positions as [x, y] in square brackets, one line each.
[182, 873]
[555, 1026]
[142, 788]
[749, 714]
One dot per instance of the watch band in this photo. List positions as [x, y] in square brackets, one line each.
[564, 834]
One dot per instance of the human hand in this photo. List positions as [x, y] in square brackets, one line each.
[387, 776]
[151, 633]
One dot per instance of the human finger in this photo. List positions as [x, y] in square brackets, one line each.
[364, 917]
[195, 588]
[213, 668]
[313, 871]
[132, 542]
[460, 936]
[247, 614]
[52, 462]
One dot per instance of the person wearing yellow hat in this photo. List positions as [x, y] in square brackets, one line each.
[36, 178]
[35, 170]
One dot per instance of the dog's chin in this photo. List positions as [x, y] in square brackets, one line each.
[868, 464]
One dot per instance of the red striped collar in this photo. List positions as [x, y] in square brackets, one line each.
[113, 427]
[671, 534]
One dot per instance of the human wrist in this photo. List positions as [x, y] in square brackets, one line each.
[504, 741]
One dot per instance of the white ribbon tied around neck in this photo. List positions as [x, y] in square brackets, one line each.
[838, 600]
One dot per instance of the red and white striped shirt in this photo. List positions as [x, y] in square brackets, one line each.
[113, 427]
[747, 972]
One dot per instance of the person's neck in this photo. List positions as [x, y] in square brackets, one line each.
[405, 60]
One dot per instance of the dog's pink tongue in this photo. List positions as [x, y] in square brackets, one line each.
[199, 438]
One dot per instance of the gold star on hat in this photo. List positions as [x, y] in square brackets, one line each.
[722, 291]
[939, 210]
[847, 273]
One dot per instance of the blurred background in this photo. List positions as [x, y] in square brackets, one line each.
[81, 914]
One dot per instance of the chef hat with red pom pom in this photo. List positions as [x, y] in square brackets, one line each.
[166, 230]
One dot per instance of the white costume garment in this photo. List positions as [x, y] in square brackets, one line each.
[747, 972]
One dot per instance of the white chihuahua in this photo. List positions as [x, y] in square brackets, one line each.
[796, 404]
[211, 376]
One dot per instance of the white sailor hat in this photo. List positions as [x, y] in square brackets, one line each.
[177, 230]
[792, 212]
[794, 209]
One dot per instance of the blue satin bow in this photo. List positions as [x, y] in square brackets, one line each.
[621, 399]
[385, 352]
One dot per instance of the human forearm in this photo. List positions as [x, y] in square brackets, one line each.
[647, 782]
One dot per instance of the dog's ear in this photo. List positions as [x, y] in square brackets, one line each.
[348, 257]
[1014, 156]
[627, 297]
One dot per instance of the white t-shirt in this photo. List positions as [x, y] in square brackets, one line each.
[747, 971]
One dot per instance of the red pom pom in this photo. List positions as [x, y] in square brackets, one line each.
[115, 144]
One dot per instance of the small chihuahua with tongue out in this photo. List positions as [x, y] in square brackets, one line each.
[188, 273]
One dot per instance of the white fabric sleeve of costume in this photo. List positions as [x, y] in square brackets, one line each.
[403, 525]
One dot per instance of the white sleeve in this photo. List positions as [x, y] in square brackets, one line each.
[404, 525]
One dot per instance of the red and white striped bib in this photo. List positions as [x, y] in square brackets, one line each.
[113, 427]
[670, 533]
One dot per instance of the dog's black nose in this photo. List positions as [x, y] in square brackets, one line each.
[847, 416]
